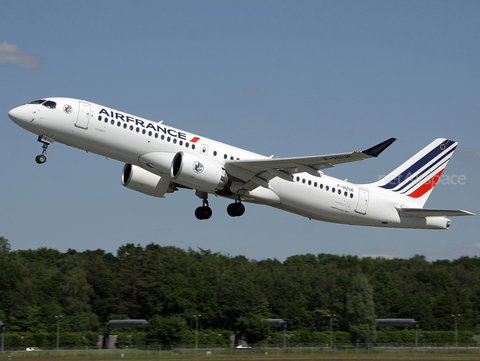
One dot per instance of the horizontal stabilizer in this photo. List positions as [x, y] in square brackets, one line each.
[423, 212]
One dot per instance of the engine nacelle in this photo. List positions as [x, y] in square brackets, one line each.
[197, 172]
[160, 163]
[140, 180]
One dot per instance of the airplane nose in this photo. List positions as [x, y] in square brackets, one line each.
[17, 114]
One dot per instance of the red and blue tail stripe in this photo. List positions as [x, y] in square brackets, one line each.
[419, 174]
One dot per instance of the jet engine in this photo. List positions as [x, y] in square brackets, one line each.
[198, 172]
[140, 180]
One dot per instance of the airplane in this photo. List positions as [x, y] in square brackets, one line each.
[161, 159]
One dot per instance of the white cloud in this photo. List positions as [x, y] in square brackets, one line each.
[379, 255]
[9, 53]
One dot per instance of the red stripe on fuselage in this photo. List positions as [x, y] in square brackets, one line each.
[195, 139]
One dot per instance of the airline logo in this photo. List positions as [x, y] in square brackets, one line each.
[147, 125]
[421, 176]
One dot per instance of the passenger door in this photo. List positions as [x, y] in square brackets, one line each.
[83, 115]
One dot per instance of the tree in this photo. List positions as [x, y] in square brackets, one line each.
[360, 310]
[254, 329]
[386, 296]
[167, 330]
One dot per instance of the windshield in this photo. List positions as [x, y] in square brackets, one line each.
[47, 103]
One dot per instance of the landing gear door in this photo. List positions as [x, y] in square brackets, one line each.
[362, 201]
[83, 115]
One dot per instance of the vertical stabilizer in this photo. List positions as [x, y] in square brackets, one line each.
[416, 177]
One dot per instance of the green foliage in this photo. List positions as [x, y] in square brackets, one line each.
[254, 329]
[360, 310]
[167, 331]
[168, 286]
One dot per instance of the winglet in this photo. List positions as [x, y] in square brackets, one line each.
[379, 148]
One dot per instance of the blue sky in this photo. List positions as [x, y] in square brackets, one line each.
[289, 78]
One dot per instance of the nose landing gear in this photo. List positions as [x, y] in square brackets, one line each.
[46, 141]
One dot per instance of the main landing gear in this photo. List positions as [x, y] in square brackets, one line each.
[46, 141]
[236, 209]
[205, 212]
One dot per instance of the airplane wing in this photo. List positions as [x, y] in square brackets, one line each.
[284, 167]
[423, 212]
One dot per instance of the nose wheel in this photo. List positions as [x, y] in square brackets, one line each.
[40, 159]
[46, 141]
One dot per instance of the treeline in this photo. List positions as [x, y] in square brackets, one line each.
[168, 286]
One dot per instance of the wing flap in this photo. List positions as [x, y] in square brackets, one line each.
[423, 212]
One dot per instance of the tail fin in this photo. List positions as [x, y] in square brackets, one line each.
[417, 176]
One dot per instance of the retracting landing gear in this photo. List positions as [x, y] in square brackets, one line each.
[203, 212]
[46, 141]
[236, 209]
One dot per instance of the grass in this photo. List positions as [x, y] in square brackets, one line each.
[304, 354]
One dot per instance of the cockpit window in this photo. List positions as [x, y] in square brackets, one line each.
[47, 103]
[37, 101]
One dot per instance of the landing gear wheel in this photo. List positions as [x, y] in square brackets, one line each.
[235, 209]
[204, 212]
[40, 159]
[46, 141]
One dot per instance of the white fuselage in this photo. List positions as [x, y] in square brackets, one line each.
[126, 138]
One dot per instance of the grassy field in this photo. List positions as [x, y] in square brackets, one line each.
[249, 355]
